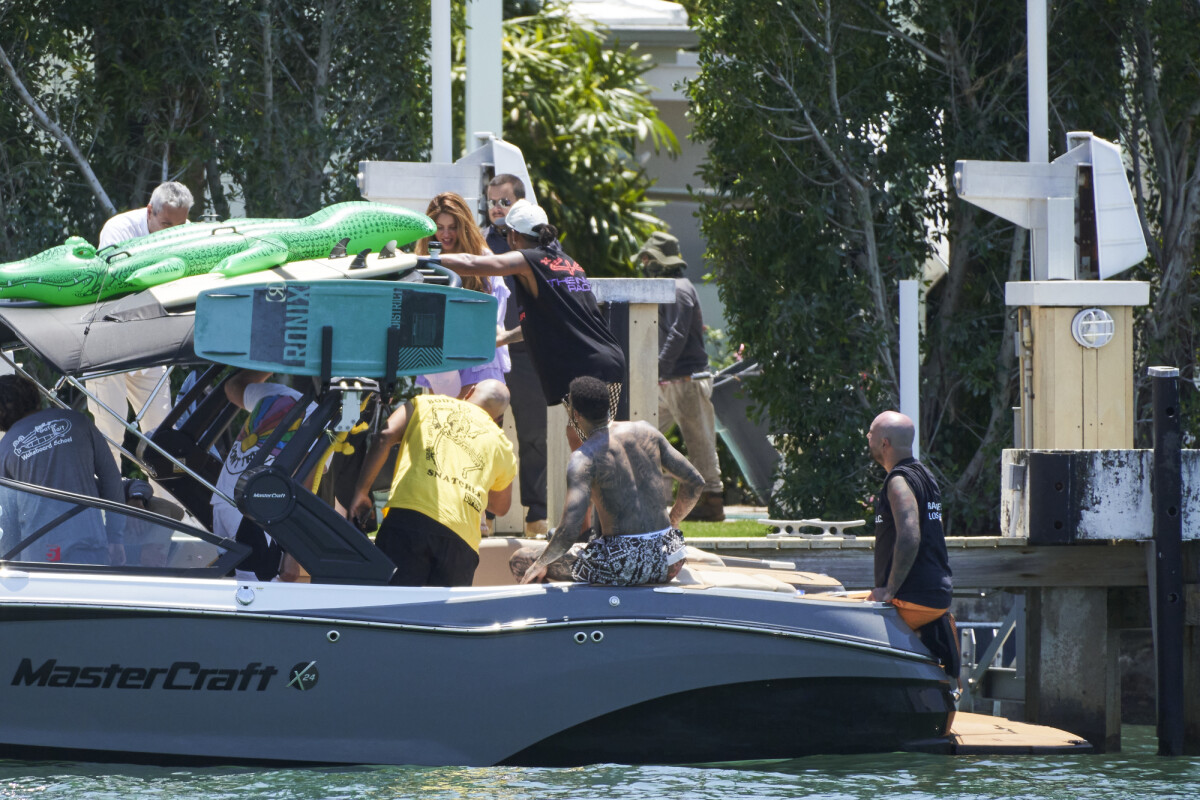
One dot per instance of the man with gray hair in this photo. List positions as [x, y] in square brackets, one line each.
[169, 206]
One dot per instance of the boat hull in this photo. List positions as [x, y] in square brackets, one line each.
[484, 678]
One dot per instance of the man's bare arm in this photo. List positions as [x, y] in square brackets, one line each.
[289, 569]
[510, 263]
[570, 528]
[500, 501]
[691, 482]
[908, 537]
[374, 460]
[510, 337]
[235, 387]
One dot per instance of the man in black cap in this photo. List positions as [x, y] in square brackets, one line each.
[684, 382]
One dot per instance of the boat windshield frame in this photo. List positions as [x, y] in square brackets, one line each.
[230, 552]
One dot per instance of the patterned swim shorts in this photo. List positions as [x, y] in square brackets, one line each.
[631, 560]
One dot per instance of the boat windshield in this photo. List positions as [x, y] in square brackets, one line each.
[51, 529]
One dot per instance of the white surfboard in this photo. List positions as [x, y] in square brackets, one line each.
[184, 291]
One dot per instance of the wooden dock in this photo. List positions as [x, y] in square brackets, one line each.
[980, 735]
[979, 562]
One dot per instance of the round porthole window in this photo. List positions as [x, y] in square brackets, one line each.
[1092, 327]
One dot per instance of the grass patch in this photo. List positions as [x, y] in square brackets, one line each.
[712, 530]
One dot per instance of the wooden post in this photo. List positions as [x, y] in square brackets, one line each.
[643, 362]
[557, 453]
[1076, 393]
[512, 523]
[1084, 395]
[1075, 397]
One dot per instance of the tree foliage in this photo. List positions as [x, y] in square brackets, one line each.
[272, 103]
[1159, 118]
[833, 129]
[577, 106]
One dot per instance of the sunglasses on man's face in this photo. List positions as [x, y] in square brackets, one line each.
[503, 202]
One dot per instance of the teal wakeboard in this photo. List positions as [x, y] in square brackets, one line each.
[346, 327]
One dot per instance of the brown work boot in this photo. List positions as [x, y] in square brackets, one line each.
[536, 528]
[710, 508]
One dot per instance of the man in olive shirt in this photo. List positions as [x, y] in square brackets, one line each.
[684, 384]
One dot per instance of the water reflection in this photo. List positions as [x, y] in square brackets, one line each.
[1135, 773]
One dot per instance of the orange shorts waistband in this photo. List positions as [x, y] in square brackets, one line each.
[916, 615]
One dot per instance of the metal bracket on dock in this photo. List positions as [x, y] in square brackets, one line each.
[984, 676]
[791, 528]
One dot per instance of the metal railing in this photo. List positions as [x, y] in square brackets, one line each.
[986, 676]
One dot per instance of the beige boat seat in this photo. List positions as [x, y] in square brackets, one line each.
[706, 569]
[699, 578]
[494, 552]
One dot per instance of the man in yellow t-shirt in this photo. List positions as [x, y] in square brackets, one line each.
[455, 462]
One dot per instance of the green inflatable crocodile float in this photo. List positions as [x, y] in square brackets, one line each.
[75, 273]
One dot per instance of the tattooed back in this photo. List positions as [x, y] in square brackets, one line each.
[624, 464]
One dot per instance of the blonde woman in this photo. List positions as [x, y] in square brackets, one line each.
[458, 234]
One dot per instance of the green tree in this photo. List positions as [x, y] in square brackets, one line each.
[1158, 116]
[833, 129]
[272, 102]
[805, 229]
[577, 106]
[317, 86]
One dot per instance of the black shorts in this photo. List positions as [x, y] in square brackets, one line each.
[425, 552]
[265, 557]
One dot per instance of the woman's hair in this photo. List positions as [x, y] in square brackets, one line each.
[18, 398]
[470, 240]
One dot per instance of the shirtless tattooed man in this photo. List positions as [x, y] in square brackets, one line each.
[618, 469]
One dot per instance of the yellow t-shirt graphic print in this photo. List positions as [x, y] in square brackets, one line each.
[451, 456]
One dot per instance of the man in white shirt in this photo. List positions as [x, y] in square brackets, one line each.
[169, 206]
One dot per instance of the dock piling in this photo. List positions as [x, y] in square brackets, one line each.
[1167, 596]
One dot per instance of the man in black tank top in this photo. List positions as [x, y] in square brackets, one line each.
[912, 570]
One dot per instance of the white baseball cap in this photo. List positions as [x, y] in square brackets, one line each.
[524, 216]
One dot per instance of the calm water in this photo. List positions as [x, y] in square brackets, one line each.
[1135, 773]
